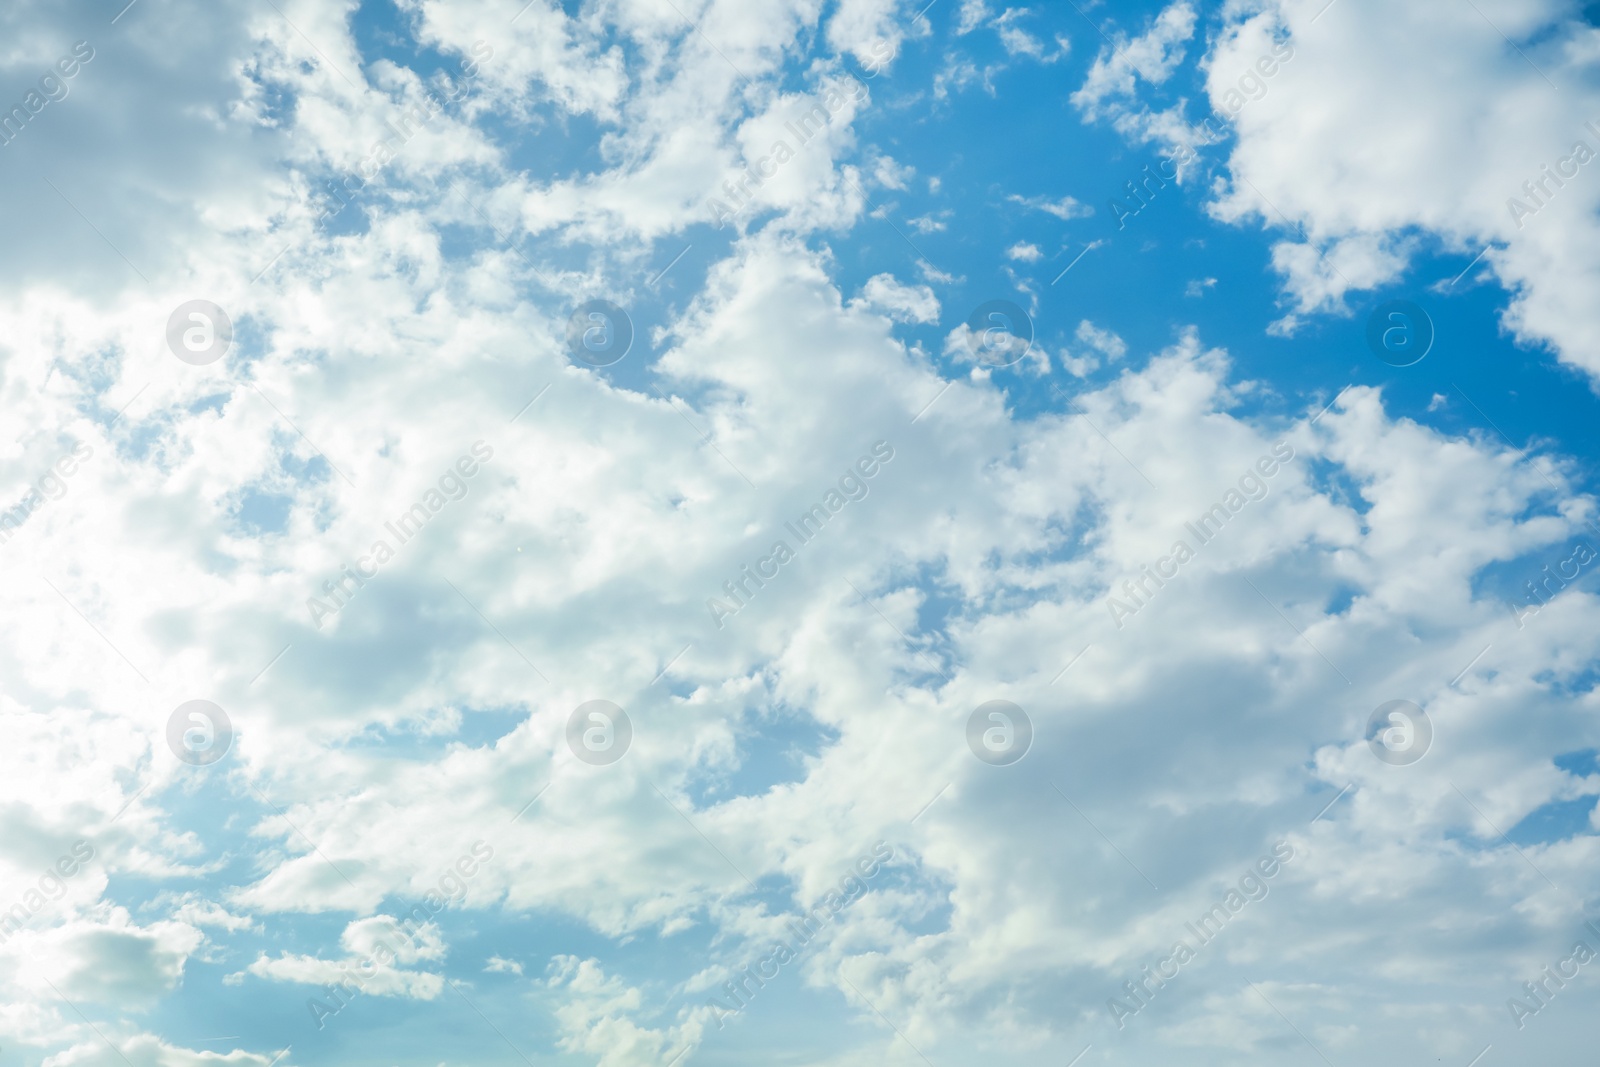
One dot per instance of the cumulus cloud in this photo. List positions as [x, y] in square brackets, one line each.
[905, 303]
[1016, 538]
[115, 961]
[1484, 121]
[1152, 56]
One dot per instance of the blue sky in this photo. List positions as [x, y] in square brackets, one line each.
[183, 524]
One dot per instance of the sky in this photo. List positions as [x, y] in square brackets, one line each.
[816, 532]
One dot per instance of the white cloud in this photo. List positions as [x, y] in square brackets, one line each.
[973, 13]
[375, 948]
[1479, 120]
[978, 564]
[904, 303]
[1019, 42]
[871, 30]
[1103, 347]
[147, 1050]
[1152, 56]
[1065, 209]
[113, 961]
[891, 175]
[594, 1017]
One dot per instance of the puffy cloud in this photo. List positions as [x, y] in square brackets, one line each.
[904, 303]
[1152, 56]
[1189, 714]
[594, 1017]
[1484, 157]
[113, 961]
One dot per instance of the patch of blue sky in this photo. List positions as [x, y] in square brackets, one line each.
[258, 513]
[984, 149]
[1555, 821]
[772, 751]
[422, 741]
